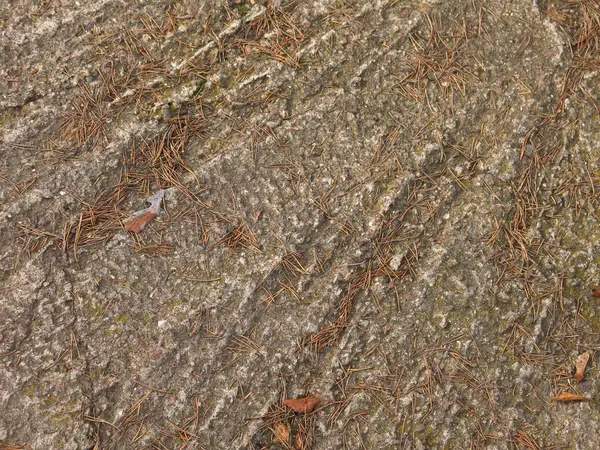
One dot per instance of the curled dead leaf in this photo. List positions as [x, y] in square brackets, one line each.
[570, 397]
[137, 223]
[302, 405]
[299, 442]
[281, 431]
[580, 365]
[139, 219]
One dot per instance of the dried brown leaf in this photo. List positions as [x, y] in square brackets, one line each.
[281, 431]
[136, 223]
[580, 365]
[596, 291]
[139, 219]
[570, 397]
[302, 405]
[299, 442]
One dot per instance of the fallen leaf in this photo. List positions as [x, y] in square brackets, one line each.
[281, 431]
[580, 365]
[299, 442]
[596, 291]
[305, 435]
[139, 219]
[570, 397]
[302, 405]
[136, 223]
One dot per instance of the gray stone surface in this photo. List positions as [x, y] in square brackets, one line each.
[389, 205]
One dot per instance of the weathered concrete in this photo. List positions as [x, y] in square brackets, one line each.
[370, 207]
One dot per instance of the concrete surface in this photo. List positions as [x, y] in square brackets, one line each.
[389, 205]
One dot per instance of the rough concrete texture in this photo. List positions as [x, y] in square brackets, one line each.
[389, 205]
